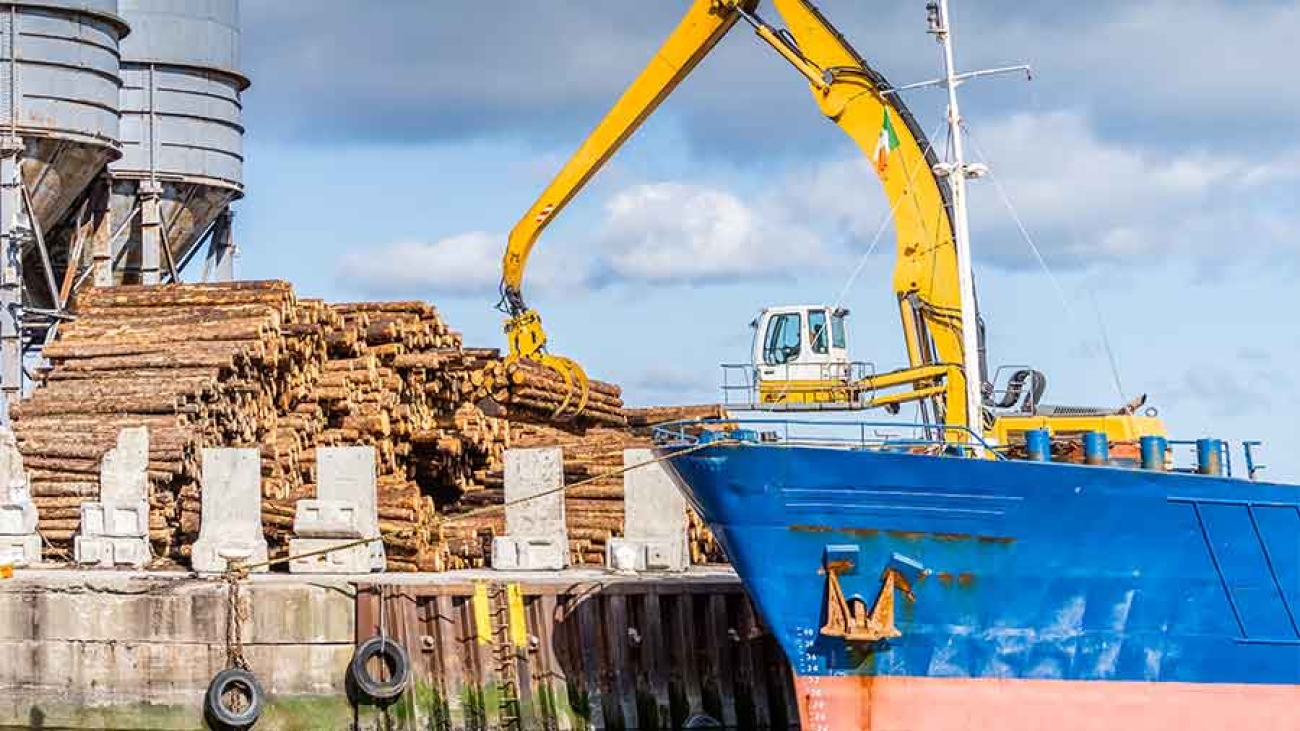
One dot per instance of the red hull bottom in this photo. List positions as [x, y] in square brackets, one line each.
[884, 703]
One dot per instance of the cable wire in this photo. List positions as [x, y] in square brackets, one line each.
[1112, 361]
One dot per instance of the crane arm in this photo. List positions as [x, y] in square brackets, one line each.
[848, 92]
[857, 99]
[705, 23]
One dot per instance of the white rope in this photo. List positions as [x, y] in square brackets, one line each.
[1051, 276]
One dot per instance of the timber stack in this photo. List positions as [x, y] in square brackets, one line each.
[250, 365]
[593, 461]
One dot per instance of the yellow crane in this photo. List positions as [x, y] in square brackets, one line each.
[861, 103]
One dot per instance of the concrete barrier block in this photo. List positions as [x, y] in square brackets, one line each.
[111, 552]
[348, 473]
[17, 519]
[231, 521]
[534, 480]
[123, 472]
[641, 554]
[655, 530]
[352, 560]
[327, 519]
[20, 551]
[115, 520]
[512, 553]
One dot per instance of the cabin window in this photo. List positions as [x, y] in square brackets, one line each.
[837, 331]
[817, 334]
[782, 342]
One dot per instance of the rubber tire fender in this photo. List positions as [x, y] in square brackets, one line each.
[214, 704]
[397, 659]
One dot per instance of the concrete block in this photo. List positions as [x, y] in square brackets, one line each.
[123, 472]
[326, 519]
[20, 550]
[351, 560]
[348, 473]
[510, 553]
[17, 519]
[231, 521]
[115, 520]
[110, 552]
[642, 554]
[537, 538]
[11, 461]
[655, 531]
[535, 476]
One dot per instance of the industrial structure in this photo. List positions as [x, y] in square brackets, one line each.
[120, 154]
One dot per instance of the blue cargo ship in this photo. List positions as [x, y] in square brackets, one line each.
[921, 591]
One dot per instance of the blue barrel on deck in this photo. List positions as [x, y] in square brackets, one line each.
[1038, 445]
[1096, 448]
[1209, 457]
[1153, 453]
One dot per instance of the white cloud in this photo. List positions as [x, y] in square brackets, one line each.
[464, 264]
[675, 233]
[1090, 197]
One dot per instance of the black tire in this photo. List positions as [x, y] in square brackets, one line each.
[399, 670]
[701, 720]
[222, 716]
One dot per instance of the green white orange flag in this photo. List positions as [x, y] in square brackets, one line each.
[887, 143]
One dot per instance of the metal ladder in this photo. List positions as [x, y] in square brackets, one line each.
[506, 613]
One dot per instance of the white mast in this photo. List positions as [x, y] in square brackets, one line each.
[958, 172]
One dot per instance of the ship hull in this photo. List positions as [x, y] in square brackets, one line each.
[892, 703]
[1053, 595]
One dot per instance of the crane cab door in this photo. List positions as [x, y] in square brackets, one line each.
[799, 353]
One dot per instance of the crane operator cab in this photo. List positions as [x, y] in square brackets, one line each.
[800, 360]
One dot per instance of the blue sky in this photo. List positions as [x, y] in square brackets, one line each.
[1153, 160]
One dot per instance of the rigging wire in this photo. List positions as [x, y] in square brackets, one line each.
[875, 239]
[1111, 359]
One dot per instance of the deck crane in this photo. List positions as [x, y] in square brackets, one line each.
[809, 367]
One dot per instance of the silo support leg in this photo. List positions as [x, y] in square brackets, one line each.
[102, 239]
[11, 282]
[151, 236]
[222, 253]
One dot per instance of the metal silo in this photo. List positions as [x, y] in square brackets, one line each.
[182, 137]
[59, 95]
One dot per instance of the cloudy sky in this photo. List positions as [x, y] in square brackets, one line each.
[1153, 161]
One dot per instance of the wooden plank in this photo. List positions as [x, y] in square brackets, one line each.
[616, 624]
[720, 647]
[654, 655]
[589, 647]
[449, 635]
[685, 647]
[485, 663]
[752, 672]
[548, 672]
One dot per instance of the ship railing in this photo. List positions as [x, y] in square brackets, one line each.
[740, 383]
[888, 436]
[1249, 450]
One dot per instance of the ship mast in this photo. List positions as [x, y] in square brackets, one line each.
[958, 171]
[961, 222]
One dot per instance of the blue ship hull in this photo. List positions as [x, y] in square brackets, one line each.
[1033, 571]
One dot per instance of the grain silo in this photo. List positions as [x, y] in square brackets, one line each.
[59, 126]
[182, 138]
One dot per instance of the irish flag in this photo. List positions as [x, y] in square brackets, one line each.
[887, 143]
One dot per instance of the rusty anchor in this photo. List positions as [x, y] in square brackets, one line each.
[849, 619]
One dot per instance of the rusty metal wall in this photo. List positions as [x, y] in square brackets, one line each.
[647, 654]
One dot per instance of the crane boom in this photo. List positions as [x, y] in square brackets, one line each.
[849, 93]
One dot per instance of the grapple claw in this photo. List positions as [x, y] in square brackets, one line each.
[528, 342]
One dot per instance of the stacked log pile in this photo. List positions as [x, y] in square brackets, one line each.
[593, 509]
[250, 365]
